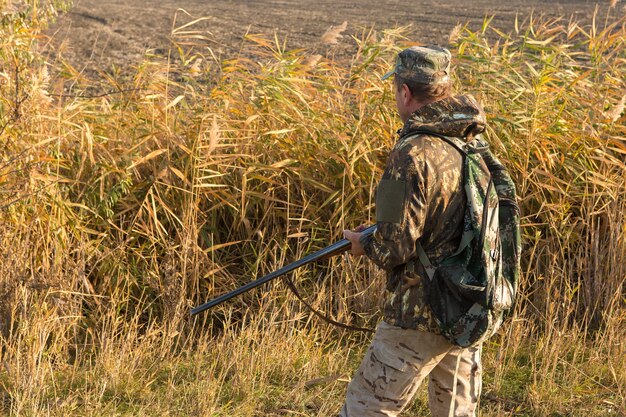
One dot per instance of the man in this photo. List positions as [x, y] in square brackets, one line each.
[420, 197]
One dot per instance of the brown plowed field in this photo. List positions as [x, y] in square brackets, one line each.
[98, 33]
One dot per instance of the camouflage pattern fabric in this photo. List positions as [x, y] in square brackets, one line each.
[509, 221]
[398, 360]
[471, 290]
[423, 64]
[421, 197]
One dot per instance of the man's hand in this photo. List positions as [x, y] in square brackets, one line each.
[354, 238]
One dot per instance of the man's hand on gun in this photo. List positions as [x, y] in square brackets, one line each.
[355, 239]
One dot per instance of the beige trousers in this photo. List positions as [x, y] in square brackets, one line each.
[396, 363]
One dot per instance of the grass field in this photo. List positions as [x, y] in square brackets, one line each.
[127, 203]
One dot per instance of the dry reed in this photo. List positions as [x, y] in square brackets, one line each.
[121, 211]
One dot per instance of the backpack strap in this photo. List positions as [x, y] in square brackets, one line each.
[456, 143]
[467, 236]
[421, 254]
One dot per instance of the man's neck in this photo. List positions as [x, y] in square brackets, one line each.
[416, 105]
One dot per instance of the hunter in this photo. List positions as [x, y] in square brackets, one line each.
[419, 198]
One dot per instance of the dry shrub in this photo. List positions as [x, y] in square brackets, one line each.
[124, 208]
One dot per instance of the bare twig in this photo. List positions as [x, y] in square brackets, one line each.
[37, 191]
[108, 93]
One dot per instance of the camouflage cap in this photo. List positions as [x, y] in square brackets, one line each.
[423, 64]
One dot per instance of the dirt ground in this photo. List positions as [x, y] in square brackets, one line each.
[96, 34]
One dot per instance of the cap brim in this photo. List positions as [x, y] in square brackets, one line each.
[389, 74]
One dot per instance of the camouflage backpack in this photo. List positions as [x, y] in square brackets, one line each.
[470, 291]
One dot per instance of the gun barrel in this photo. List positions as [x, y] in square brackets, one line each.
[334, 249]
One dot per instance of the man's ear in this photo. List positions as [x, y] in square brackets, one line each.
[406, 94]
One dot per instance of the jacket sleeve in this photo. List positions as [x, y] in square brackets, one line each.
[401, 206]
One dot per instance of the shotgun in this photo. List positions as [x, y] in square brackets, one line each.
[329, 251]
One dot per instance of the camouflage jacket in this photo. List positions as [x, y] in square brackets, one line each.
[420, 196]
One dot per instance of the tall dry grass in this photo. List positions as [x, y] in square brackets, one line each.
[126, 204]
